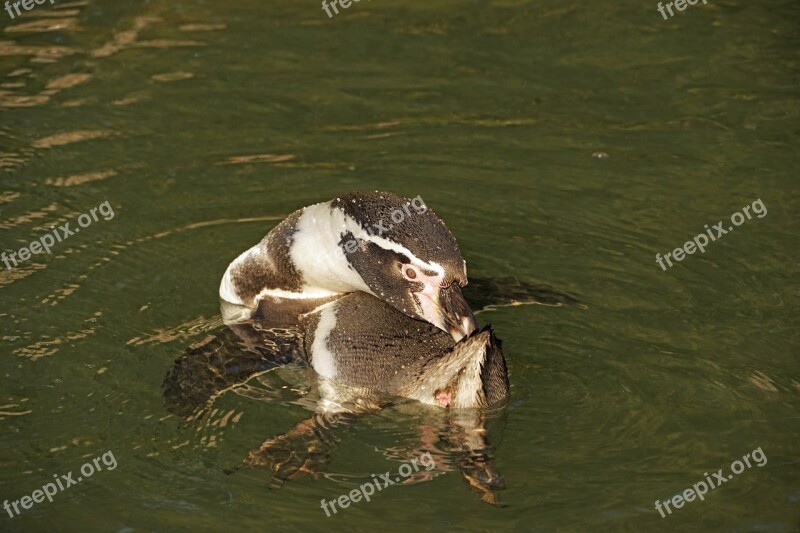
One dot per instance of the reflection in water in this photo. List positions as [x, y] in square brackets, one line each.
[63, 19]
[80, 179]
[60, 139]
[457, 437]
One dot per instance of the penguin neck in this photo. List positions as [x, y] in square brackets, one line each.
[299, 259]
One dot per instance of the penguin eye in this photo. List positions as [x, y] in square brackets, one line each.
[410, 273]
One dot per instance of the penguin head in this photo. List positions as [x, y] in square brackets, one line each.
[408, 258]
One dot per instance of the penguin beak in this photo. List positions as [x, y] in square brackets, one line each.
[448, 310]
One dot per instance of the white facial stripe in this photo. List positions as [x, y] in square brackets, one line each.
[361, 235]
[322, 359]
[316, 253]
[395, 247]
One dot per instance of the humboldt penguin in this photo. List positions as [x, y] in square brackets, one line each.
[393, 248]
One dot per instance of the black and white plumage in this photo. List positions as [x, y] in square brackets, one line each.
[373, 280]
[391, 247]
[364, 350]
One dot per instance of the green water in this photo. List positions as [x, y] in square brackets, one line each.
[563, 143]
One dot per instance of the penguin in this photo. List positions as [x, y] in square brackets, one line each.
[366, 351]
[390, 247]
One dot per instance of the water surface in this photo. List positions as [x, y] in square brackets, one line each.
[564, 143]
